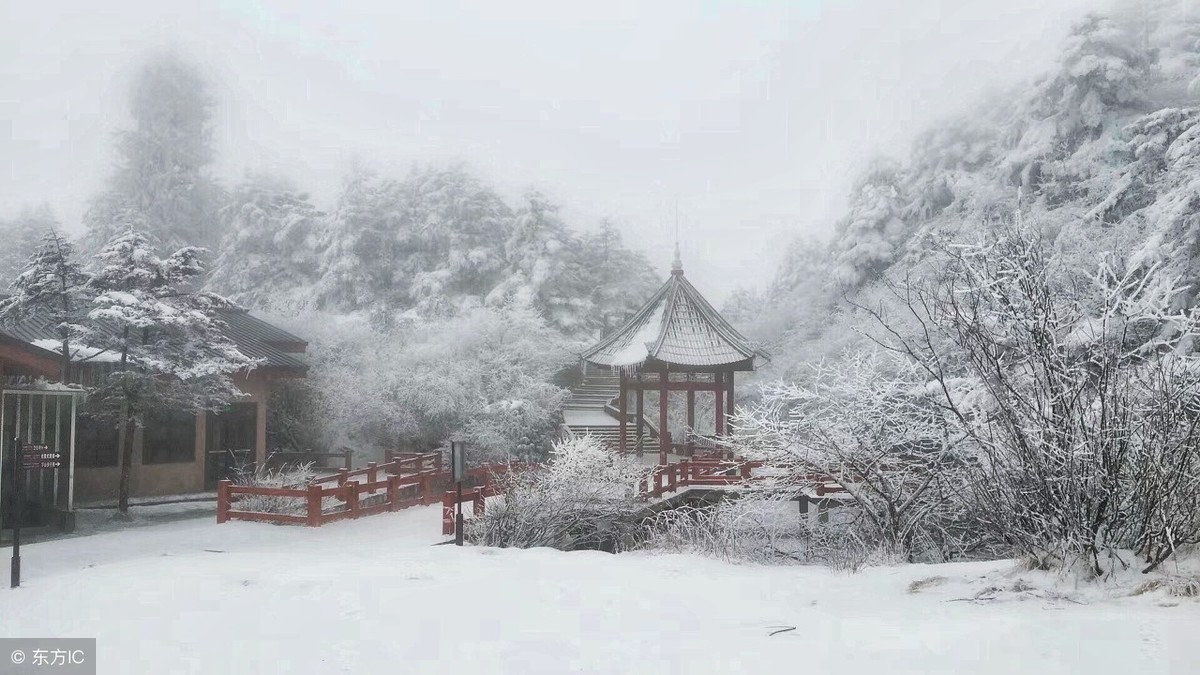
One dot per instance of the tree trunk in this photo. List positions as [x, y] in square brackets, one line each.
[129, 427]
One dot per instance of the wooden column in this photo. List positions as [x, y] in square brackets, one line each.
[641, 419]
[664, 436]
[691, 413]
[729, 403]
[622, 404]
[720, 421]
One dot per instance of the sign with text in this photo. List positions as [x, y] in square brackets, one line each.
[40, 457]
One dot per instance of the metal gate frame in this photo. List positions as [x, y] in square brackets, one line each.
[45, 394]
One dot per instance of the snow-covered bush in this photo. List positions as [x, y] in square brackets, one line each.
[869, 423]
[756, 528]
[485, 373]
[586, 497]
[297, 477]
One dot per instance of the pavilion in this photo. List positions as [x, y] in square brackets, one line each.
[677, 342]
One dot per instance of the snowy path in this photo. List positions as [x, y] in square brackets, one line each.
[372, 596]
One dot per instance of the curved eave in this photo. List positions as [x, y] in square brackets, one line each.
[669, 348]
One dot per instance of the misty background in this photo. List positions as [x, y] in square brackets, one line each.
[749, 117]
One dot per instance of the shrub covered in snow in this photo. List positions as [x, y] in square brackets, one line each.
[297, 477]
[586, 497]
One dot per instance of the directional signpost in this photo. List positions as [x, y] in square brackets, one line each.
[26, 457]
[458, 464]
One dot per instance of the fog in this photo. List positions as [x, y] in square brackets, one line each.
[747, 117]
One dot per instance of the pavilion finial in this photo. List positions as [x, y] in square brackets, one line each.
[677, 264]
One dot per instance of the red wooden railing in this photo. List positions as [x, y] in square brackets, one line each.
[406, 481]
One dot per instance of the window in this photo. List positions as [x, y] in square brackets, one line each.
[169, 438]
[96, 442]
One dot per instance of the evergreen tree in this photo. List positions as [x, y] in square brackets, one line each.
[161, 185]
[172, 353]
[269, 255]
[22, 238]
[53, 286]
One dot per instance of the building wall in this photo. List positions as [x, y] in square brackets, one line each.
[100, 484]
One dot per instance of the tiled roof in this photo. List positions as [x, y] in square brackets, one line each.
[254, 337]
[677, 327]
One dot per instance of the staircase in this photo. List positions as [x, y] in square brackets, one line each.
[590, 412]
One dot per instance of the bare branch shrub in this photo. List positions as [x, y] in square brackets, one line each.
[869, 423]
[1078, 392]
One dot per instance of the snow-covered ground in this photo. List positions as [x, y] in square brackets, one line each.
[374, 596]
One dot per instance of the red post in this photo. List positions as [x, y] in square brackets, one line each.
[684, 476]
[448, 512]
[622, 406]
[437, 462]
[664, 436]
[342, 476]
[223, 497]
[314, 505]
[372, 472]
[729, 403]
[426, 488]
[351, 498]
[477, 502]
[720, 421]
[393, 496]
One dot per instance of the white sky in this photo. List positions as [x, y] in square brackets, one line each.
[752, 115]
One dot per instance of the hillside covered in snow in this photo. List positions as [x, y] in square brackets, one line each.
[1102, 151]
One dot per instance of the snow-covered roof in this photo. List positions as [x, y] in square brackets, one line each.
[254, 337]
[677, 327]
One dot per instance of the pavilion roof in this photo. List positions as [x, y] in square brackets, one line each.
[677, 327]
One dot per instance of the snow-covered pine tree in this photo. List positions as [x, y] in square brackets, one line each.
[544, 267]
[54, 286]
[172, 352]
[359, 264]
[269, 255]
[869, 237]
[451, 239]
[22, 236]
[620, 279]
[161, 184]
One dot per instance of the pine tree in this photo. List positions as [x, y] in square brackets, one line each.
[22, 237]
[172, 353]
[161, 185]
[53, 286]
[269, 254]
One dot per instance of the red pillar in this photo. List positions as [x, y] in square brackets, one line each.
[664, 436]
[691, 413]
[641, 418]
[622, 405]
[729, 404]
[720, 421]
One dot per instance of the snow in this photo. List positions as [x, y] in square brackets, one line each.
[367, 596]
[639, 345]
[80, 352]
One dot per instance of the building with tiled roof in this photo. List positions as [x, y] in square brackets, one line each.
[173, 454]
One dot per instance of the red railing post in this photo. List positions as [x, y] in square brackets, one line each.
[426, 488]
[342, 476]
[223, 497]
[477, 502]
[372, 472]
[314, 505]
[351, 498]
[393, 496]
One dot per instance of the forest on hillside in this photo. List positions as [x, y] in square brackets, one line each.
[432, 304]
[1100, 153]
